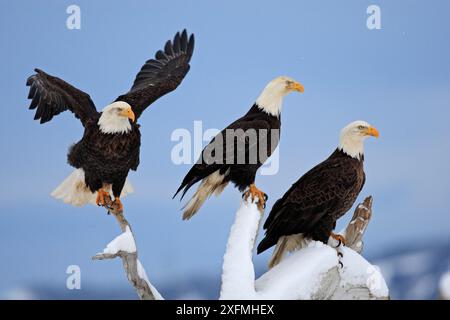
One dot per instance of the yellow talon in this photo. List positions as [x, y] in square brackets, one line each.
[339, 238]
[254, 192]
[101, 194]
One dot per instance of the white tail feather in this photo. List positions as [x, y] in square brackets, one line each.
[284, 245]
[212, 184]
[73, 190]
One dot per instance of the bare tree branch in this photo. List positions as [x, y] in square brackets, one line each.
[357, 226]
[135, 273]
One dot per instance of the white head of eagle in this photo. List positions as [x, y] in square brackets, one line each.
[271, 98]
[115, 118]
[352, 138]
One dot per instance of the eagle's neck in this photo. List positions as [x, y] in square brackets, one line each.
[271, 101]
[352, 146]
[110, 123]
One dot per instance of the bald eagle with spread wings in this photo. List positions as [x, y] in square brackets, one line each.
[311, 207]
[111, 142]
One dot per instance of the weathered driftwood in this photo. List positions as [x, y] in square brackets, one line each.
[357, 226]
[353, 234]
[129, 260]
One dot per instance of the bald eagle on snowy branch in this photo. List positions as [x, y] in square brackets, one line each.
[311, 207]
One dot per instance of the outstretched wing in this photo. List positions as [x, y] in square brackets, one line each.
[160, 75]
[51, 96]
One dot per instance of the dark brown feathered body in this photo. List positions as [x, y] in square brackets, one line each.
[242, 174]
[314, 203]
[106, 158]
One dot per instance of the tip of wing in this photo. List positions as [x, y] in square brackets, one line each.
[29, 81]
[31, 78]
[177, 43]
[182, 43]
[178, 191]
[184, 39]
[168, 48]
[175, 55]
[191, 44]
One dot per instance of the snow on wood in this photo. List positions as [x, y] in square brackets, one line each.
[124, 247]
[124, 242]
[143, 275]
[359, 279]
[288, 282]
[444, 286]
[312, 272]
[238, 276]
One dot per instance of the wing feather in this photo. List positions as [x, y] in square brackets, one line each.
[206, 166]
[50, 96]
[161, 75]
[312, 197]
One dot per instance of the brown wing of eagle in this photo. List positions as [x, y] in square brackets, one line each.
[314, 203]
[240, 174]
[161, 75]
[50, 96]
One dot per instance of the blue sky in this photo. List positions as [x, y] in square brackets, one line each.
[396, 78]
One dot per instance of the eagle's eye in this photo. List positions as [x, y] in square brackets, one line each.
[361, 127]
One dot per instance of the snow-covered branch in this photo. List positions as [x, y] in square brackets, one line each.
[238, 277]
[444, 286]
[124, 246]
[315, 271]
[312, 272]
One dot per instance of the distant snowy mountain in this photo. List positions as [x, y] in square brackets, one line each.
[411, 273]
[414, 273]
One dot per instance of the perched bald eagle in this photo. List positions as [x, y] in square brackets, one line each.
[238, 151]
[310, 208]
[110, 145]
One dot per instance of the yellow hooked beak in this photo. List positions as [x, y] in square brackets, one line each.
[295, 86]
[129, 114]
[372, 131]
